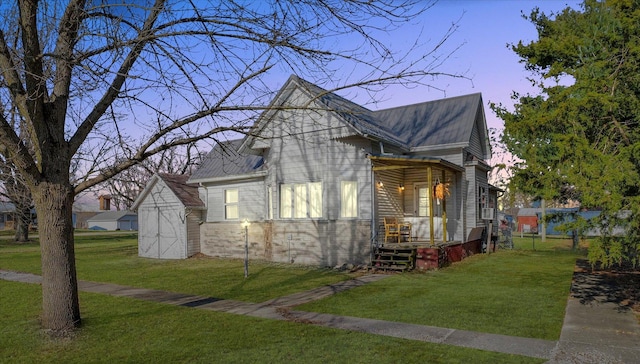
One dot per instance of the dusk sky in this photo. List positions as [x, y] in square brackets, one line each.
[485, 28]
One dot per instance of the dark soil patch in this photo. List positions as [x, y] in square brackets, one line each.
[620, 285]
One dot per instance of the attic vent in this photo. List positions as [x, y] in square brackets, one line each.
[487, 213]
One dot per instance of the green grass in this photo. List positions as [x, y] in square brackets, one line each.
[518, 292]
[114, 259]
[521, 292]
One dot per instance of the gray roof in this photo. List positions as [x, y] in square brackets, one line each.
[361, 118]
[225, 160]
[434, 123]
[445, 121]
[529, 211]
[111, 216]
[7, 207]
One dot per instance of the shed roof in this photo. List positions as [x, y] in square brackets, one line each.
[529, 211]
[187, 193]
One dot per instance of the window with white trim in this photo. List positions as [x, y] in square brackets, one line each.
[231, 204]
[301, 200]
[349, 199]
[422, 199]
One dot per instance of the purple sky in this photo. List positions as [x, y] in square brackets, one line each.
[485, 28]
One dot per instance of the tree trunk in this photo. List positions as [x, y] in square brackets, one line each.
[22, 221]
[60, 306]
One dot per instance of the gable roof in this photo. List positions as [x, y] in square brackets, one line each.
[425, 126]
[111, 216]
[225, 160]
[447, 121]
[359, 118]
[187, 193]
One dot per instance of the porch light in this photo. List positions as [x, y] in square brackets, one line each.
[401, 186]
[380, 184]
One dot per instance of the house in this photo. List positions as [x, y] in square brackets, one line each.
[114, 220]
[317, 173]
[7, 211]
[169, 212]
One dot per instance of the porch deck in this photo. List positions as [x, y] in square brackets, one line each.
[421, 255]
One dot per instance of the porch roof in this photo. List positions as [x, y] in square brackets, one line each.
[393, 161]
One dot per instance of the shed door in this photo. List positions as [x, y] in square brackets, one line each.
[148, 235]
[160, 234]
[171, 225]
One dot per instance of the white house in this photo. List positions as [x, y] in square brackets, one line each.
[169, 212]
[317, 174]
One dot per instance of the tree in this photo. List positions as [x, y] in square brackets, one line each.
[103, 85]
[15, 190]
[579, 138]
[125, 187]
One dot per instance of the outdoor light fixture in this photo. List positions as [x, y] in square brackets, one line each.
[380, 184]
[401, 186]
[245, 225]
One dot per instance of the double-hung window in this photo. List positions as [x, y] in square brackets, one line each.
[349, 199]
[231, 204]
[422, 199]
[301, 200]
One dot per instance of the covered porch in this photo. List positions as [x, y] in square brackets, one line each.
[418, 210]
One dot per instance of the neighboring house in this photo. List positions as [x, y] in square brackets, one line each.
[114, 220]
[7, 210]
[317, 173]
[169, 213]
[528, 219]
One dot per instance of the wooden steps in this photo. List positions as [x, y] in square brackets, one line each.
[394, 258]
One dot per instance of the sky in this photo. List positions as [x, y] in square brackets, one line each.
[485, 29]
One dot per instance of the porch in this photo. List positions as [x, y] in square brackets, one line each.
[422, 255]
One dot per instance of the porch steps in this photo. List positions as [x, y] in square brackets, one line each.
[394, 258]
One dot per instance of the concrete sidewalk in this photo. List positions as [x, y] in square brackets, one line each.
[597, 332]
[598, 327]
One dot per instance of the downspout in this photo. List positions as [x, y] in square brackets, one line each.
[374, 230]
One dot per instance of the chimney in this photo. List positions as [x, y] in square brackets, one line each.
[105, 202]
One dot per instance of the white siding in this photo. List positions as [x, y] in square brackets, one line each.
[251, 201]
[162, 225]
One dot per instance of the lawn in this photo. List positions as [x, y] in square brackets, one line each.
[520, 292]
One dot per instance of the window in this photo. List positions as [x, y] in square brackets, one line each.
[231, 204]
[422, 200]
[482, 198]
[301, 200]
[349, 199]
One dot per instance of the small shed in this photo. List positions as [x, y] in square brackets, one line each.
[114, 220]
[170, 216]
[528, 219]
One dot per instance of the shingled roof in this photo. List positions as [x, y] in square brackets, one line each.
[225, 160]
[434, 123]
[187, 193]
[439, 122]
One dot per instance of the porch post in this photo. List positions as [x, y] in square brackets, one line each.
[430, 194]
[444, 211]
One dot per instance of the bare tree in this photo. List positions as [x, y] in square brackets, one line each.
[125, 187]
[16, 191]
[103, 85]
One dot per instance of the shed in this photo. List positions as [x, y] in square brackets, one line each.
[528, 219]
[170, 210]
[114, 220]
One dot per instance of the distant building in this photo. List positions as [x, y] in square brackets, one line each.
[114, 220]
